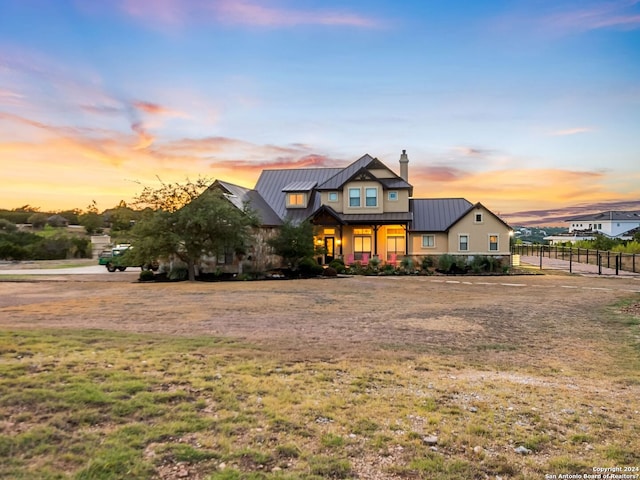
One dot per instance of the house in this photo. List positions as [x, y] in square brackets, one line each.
[612, 224]
[366, 210]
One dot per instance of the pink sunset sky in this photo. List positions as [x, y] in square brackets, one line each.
[531, 108]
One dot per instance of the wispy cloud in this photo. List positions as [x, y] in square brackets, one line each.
[571, 131]
[253, 13]
[265, 13]
[617, 14]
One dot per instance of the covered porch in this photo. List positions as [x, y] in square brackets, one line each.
[361, 237]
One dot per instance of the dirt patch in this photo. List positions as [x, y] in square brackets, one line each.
[478, 318]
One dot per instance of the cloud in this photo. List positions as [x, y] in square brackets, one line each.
[472, 151]
[572, 131]
[155, 109]
[616, 14]
[252, 13]
[182, 13]
[559, 216]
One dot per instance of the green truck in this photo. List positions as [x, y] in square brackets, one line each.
[115, 259]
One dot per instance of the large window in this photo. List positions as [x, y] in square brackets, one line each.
[463, 241]
[361, 246]
[371, 196]
[354, 197]
[428, 241]
[493, 243]
[296, 200]
[395, 243]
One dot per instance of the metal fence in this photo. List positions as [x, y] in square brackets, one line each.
[629, 262]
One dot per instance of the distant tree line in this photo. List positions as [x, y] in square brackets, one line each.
[48, 238]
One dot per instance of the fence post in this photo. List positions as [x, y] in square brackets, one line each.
[571, 260]
[541, 255]
[599, 264]
[608, 259]
[633, 262]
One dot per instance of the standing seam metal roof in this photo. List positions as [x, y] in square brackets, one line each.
[437, 214]
[272, 182]
[239, 196]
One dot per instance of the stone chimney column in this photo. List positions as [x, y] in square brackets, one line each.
[404, 166]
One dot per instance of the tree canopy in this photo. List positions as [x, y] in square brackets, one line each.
[189, 221]
[294, 242]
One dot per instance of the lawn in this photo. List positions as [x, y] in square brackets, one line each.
[370, 378]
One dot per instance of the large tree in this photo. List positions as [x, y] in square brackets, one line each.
[189, 221]
[294, 242]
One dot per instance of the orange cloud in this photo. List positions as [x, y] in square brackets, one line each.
[512, 190]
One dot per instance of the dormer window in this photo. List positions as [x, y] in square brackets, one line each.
[296, 200]
[298, 193]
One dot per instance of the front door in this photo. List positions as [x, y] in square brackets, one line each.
[329, 248]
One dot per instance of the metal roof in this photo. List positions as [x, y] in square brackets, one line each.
[300, 186]
[437, 214]
[239, 196]
[271, 183]
[392, 217]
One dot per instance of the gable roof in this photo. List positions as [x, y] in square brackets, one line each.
[239, 196]
[271, 184]
[437, 214]
[365, 162]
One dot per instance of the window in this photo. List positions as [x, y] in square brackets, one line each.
[395, 243]
[354, 197]
[493, 243]
[599, 226]
[333, 196]
[329, 231]
[463, 242]
[393, 196]
[361, 245]
[478, 218]
[428, 241]
[296, 200]
[371, 196]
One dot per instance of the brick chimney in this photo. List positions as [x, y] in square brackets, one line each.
[404, 166]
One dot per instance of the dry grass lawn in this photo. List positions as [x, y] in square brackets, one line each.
[323, 378]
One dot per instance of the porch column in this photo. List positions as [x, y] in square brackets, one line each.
[375, 239]
[406, 240]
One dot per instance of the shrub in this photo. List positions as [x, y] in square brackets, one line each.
[178, 273]
[338, 265]
[330, 272]
[407, 264]
[7, 226]
[146, 276]
[446, 261]
[308, 267]
[426, 262]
